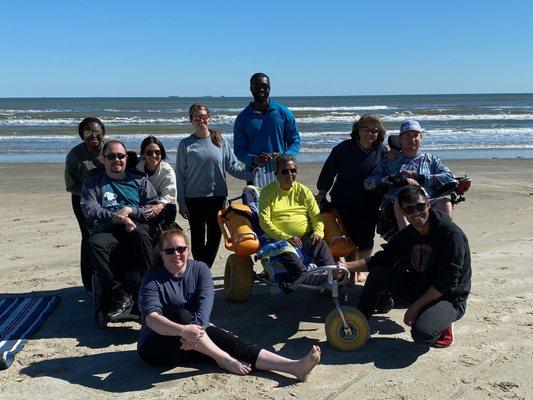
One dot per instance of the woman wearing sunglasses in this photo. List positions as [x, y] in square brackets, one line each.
[348, 165]
[176, 298]
[202, 162]
[163, 179]
[82, 160]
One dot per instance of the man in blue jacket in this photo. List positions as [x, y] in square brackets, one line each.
[114, 202]
[264, 128]
[427, 265]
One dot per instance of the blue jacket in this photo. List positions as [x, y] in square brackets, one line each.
[273, 131]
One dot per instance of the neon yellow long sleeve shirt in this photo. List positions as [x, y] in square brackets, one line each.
[287, 213]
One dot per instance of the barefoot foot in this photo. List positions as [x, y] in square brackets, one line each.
[235, 366]
[308, 363]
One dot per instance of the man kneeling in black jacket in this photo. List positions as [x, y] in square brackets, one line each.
[427, 265]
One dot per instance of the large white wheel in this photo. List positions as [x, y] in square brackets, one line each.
[238, 278]
[336, 335]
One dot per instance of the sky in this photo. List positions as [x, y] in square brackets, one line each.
[171, 48]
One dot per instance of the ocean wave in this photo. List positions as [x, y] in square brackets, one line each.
[333, 117]
[32, 111]
[443, 147]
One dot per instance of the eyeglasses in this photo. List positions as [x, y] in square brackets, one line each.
[115, 156]
[88, 133]
[180, 249]
[150, 153]
[369, 130]
[408, 210]
[286, 171]
[205, 117]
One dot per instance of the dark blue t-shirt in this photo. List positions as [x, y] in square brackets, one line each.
[166, 294]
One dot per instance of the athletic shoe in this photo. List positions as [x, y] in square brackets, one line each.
[446, 338]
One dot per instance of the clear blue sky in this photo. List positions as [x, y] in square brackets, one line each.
[161, 48]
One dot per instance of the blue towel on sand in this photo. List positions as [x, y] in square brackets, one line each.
[20, 317]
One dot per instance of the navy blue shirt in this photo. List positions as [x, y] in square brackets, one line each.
[165, 294]
[350, 164]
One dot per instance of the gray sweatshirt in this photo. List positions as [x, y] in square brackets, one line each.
[201, 168]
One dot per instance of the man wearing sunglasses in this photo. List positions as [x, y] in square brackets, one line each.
[288, 211]
[264, 128]
[115, 201]
[412, 167]
[426, 265]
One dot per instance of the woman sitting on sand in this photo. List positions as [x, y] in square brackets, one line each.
[176, 298]
[163, 179]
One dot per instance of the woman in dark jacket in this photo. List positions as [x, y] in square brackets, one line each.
[348, 165]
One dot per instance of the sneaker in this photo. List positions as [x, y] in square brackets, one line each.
[121, 307]
[446, 338]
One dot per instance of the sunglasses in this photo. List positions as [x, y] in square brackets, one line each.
[180, 249]
[150, 153]
[414, 209]
[369, 130]
[286, 171]
[115, 156]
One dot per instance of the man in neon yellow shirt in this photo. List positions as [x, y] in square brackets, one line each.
[288, 211]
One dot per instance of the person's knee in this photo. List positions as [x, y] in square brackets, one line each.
[423, 335]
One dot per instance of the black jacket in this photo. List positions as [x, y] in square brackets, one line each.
[440, 259]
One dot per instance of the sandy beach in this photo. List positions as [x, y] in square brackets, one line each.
[70, 358]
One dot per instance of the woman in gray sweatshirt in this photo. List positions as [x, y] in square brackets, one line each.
[202, 162]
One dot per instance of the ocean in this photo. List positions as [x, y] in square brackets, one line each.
[43, 130]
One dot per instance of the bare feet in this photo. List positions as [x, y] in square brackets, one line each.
[308, 363]
[235, 366]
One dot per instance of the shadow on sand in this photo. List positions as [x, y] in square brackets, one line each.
[265, 319]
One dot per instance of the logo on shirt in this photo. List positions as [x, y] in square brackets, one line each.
[420, 257]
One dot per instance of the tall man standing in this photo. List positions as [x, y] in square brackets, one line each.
[264, 128]
[427, 265]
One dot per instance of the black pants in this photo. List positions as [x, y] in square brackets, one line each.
[86, 267]
[116, 252]
[205, 232]
[165, 350]
[163, 220]
[318, 252]
[433, 318]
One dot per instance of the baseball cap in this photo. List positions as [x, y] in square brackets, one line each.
[410, 125]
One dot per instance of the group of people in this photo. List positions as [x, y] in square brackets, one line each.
[129, 203]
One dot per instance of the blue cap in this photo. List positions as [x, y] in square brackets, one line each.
[410, 125]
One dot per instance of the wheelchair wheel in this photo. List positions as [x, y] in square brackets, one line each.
[98, 298]
[335, 334]
[238, 278]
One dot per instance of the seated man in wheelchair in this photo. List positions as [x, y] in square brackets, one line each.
[115, 203]
[412, 168]
[288, 211]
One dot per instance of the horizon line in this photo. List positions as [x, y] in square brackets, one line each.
[281, 96]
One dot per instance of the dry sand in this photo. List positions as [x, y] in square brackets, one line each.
[70, 358]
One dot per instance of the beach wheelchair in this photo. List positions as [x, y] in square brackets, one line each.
[346, 328]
